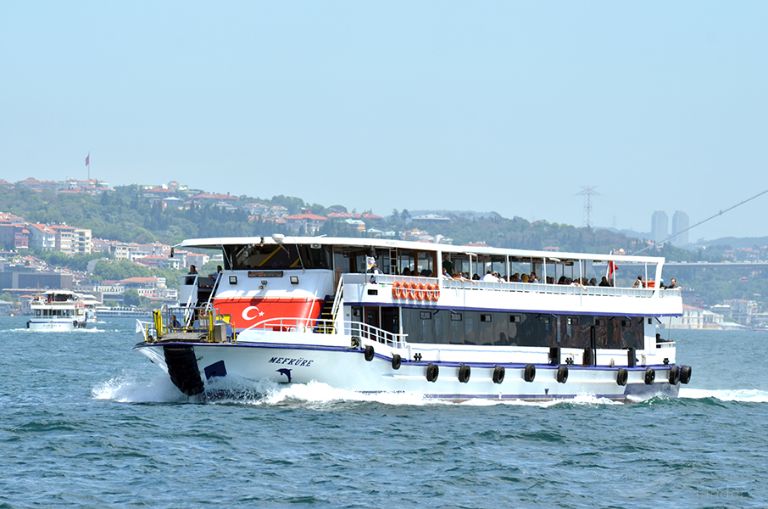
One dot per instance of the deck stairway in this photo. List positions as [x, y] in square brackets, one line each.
[326, 316]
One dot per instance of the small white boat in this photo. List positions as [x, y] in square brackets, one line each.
[372, 315]
[57, 311]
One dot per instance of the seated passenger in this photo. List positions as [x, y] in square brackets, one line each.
[639, 282]
[673, 283]
[604, 282]
[593, 282]
[490, 278]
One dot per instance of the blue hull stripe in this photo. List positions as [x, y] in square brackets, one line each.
[342, 349]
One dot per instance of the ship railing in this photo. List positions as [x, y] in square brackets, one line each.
[514, 287]
[200, 323]
[357, 330]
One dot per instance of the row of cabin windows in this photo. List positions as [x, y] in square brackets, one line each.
[351, 259]
[521, 329]
[317, 256]
[54, 312]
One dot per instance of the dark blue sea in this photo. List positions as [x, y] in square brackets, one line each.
[87, 422]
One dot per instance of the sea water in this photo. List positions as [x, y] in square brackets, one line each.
[87, 422]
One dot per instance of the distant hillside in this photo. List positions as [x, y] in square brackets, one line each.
[736, 242]
[132, 214]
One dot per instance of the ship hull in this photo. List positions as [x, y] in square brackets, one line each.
[200, 365]
[52, 325]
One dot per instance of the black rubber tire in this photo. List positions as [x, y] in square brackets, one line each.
[562, 374]
[464, 373]
[498, 374]
[369, 352]
[621, 376]
[674, 375]
[685, 374]
[529, 373]
[396, 361]
[650, 376]
[432, 372]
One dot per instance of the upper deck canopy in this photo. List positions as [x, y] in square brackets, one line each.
[521, 254]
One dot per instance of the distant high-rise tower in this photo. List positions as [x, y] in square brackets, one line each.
[659, 226]
[679, 224]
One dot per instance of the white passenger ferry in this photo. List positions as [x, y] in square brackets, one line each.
[57, 311]
[441, 321]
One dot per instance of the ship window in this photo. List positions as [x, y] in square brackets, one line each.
[425, 265]
[290, 256]
[486, 318]
[425, 315]
[650, 321]
[455, 317]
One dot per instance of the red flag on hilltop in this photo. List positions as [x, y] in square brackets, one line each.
[88, 159]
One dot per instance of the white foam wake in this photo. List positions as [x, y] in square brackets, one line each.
[317, 394]
[739, 395]
[130, 389]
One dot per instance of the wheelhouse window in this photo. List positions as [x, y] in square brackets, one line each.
[284, 257]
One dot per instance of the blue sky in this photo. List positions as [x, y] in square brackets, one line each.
[504, 106]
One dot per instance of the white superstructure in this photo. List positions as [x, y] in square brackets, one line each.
[57, 311]
[373, 315]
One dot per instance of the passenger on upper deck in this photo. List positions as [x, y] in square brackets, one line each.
[490, 277]
[191, 275]
[532, 278]
[639, 282]
[673, 283]
[373, 270]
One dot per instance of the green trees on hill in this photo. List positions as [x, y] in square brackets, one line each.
[126, 214]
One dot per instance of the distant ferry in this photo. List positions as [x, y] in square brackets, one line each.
[58, 311]
[440, 321]
[103, 311]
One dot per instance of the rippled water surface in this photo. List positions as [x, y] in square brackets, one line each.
[88, 422]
